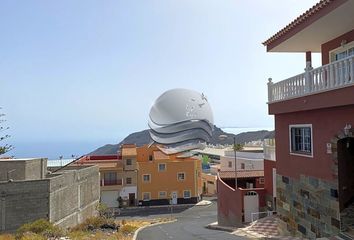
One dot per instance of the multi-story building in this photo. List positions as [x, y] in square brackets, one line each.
[118, 177]
[246, 160]
[314, 115]
[165, 179]
[28, 192]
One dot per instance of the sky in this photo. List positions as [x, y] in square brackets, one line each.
[75, 75]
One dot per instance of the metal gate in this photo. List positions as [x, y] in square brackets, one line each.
[250, 205]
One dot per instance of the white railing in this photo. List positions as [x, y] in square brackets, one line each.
[327, 77]
[258, 215]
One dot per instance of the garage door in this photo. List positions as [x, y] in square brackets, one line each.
[109, 198]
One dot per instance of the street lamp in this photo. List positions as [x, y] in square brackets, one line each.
[223, 137]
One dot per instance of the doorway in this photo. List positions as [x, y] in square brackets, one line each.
[131, 199]
[345, 151]
[251, 205]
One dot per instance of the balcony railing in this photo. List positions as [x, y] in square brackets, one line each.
[111, 182]
[327, 77]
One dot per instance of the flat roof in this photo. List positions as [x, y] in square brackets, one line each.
[19, 159]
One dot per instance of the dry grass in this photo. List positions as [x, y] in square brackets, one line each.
[7, 237]
[126, 230]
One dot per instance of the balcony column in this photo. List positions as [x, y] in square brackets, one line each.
[270, 84]
[308, 76]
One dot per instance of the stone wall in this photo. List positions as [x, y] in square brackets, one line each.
[308, 207]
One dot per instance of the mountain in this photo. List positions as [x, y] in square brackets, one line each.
[143, 137]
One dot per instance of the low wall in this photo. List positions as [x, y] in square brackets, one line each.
[230, 203]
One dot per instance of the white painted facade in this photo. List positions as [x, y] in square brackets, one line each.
[124, 193]
[245, 161]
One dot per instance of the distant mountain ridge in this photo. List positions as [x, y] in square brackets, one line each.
[143, 137]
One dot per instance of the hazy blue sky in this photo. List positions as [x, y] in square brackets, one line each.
[88, 71]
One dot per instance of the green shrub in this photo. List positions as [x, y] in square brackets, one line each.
[40, 227]
[127, 228]
[93, 222]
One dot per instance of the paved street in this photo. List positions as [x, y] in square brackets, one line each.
[190, 224]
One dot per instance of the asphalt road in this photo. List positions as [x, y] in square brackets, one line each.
[190, 225]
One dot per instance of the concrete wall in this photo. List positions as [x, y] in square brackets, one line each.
[25, 169]
[22, 202]
[65, 198]
[74, 196]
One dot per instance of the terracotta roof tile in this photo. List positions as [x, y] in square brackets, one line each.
[320, 6]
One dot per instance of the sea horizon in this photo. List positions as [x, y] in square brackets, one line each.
[54, 149]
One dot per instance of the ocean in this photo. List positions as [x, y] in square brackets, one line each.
[53, 150]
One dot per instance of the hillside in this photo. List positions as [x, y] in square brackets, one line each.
[143, 137]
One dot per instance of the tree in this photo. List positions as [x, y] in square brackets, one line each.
[3, 148]
[238, 147]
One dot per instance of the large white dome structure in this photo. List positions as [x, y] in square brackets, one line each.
[181, 117]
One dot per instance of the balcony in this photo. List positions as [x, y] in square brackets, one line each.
[328, 77]
[111, 182]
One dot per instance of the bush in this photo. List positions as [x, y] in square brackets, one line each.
[127, 229]
[40, 227]
[93, 223]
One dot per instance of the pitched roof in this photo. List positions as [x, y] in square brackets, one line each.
[318, 9]
[241, 174]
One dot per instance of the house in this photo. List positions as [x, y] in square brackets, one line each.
[314, 115]
[245, 201]
[167, 178]
[246, 160]
[209, 184]
[118, 177]
[29, 191]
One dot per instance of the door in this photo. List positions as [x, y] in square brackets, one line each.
[109, 198]
[251, 205]
[131, 199]
[174, 198]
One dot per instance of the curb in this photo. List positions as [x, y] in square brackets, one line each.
[151, 225]
[216, 227]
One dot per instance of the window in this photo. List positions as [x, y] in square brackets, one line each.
[162, 194]
[146, 196]
[181, 176]
[187, 194]
[150, 157]
[210, 182]
[342, 52]
[110, 178]
[129, 162]
[230, 164]
[128, 180]
[261, 180]
[162, 167]
[242, 166]
[301, 139]
[146, 178]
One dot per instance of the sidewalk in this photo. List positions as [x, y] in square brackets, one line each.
[201, 203]
[265, 228]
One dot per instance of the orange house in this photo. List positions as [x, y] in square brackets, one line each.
[167, 179]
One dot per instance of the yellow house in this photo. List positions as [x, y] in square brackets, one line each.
[165, 179]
